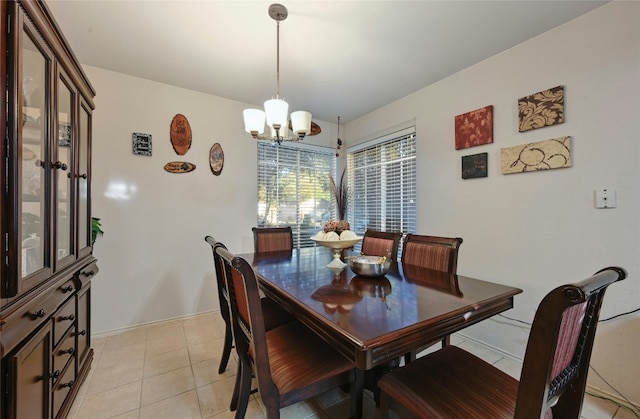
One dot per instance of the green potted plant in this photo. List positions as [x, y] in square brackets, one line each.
[96, 228]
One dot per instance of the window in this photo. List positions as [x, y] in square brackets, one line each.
[294, 190]
[382, 181]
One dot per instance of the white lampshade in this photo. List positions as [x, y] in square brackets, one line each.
[301, 122]
[282, 132]
[277, 111]
[253, 120]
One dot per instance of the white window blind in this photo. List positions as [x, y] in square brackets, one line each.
[382, 181]
[294, 190]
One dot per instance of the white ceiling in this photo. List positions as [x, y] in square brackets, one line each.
[337, 58]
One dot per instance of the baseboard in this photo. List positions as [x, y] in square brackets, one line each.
[154, 323]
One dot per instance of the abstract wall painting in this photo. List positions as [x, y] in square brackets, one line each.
[541, 109]
[474, 166]
[542, 155]
[474, 128]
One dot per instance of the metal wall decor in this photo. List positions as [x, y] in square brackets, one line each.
[141, 144]
[216, 159]
[541, 109]
[542, 155]
[179, 167]
[474, 166]
[474, 128]
[180, 134]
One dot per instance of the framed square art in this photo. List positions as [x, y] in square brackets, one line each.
[474, 166]
[141, 144]
[541, 109]
[474, 128]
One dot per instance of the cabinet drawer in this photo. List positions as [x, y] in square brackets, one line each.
[88, 272]
[64, 351]
[63, 319]
[61, 389]
[19, 324]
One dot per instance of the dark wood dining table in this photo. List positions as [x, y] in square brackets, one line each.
[374, 320]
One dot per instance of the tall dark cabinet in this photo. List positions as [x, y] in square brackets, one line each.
[47, 263]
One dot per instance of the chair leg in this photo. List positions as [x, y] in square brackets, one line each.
[245, 390]
[446, 341]
[226, 350]
[384, 405]
[236, 388]
[409, 357]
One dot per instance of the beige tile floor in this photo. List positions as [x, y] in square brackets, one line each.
[170, 370]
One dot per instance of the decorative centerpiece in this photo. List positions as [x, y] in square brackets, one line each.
[336, 237]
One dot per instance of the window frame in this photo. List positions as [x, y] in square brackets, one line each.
[290, 158]
[395, 179]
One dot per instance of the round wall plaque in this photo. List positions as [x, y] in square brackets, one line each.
[216, 159]
[180, 134]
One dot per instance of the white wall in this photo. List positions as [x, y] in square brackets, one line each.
[539, 230]
[154, 263]
[533, 230]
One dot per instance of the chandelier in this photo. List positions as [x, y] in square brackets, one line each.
[276, 111]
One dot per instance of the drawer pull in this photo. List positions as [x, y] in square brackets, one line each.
[69, 351]
[55, 374]
[69, 317]
[68, 288]
[69, 384]
[59, 165]
[82, 332]
[39, 314]
[90, 273]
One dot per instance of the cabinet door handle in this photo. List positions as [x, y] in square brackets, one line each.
[90, 273]
[69, 317]
[68, 288]
[55, 374]
[39, 314]
[69, 384]
[69, 351]
[83, 176]
[59, 165]
[82, 332]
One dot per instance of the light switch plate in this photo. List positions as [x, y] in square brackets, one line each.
[605, 198]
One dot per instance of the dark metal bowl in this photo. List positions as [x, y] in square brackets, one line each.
[370, 266]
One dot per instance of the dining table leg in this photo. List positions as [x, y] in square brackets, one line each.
[356, 398]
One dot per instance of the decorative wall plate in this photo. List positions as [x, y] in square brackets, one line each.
[179, 167]
[216, 159]
[180, 134]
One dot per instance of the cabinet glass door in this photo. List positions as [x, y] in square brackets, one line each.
[84, 232]
[63, 169]
[32, 122]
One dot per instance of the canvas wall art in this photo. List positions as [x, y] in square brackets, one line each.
[542, 155]
[541, 109]
[474, 128]
[474, 166]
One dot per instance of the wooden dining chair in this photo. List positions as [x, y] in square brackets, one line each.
[432, 252]
[438, 253]
[273, 313]
[290, 363]
[381, 243]
[272, 239]
[452, 383]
